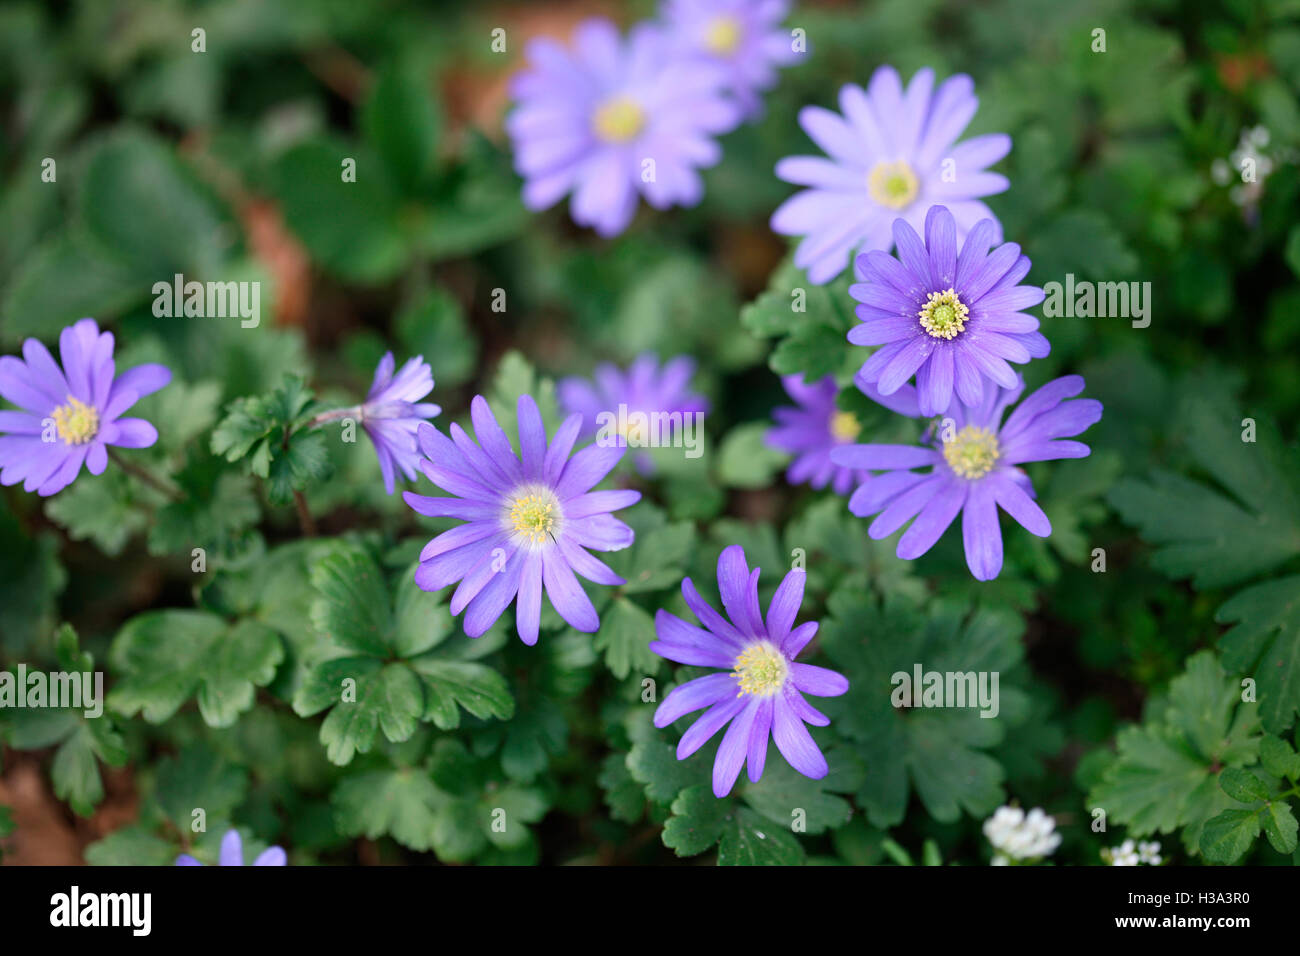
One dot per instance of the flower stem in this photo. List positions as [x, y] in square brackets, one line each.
[305, 521]
[144, 475]
[334, 415]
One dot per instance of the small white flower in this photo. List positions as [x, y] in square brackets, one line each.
[1149, 853]
[1021, 836]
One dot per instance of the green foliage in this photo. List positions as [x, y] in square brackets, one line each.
[290, 680]
[1170, 770]
[392, 670]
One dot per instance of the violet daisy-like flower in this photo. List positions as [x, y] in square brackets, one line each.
[646, 406]
[745, 37]
[232, 854]
[892, 155]
[612, 119]
[68, 416]
[809, 430]
[972, 469]
[393, 411]
[529, 519]
[761, 687]
[951, 317]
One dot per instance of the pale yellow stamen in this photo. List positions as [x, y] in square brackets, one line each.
[944, 315]
[844, 426]
[723, 36]
[892, 184]
[973, 452]
[619, 119]
[761, 670]
[534, 514]
[76, 422]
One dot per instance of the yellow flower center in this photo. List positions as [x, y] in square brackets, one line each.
[973, 452]
[844, 426]
[761, 670]
[635, 433]
[534, 514]
[892, 184]
[619, 119]
[944, 315]
[76, 422]
[723, 36]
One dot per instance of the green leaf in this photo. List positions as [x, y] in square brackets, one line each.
[744, 838]
[1251, 528]
[350, 228]
[624, 636]
[623, 795]
[166, 657]
[1226, 837]
[130, 171]
[1164, 776]
[197, 778]
[697, 821]
[352, 608]
[658, 553]
[786, 797]
[475, 687]
[40, 300]
[397, 803]
[434, 327]
[1277, 758]
[1265, 642]
[105, 509]
[31, 579]
[265, 431]
[1280, 826]
[132, 845]
[1242, 785]
[939, 752]
[400, 120]
[83, 740]
[366, 696]
[745, 460]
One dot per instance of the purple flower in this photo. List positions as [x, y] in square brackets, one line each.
[70, 414]
[232, 854]
[393, 411]
[891, 154]
[529, 519]
[809, 430]
[761, 687]
[972, 469]
[643, 407]
[952, 319]
[615, 118]
[742, 36]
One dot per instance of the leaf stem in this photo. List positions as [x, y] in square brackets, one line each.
[146, 476]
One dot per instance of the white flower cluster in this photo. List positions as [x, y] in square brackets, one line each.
[1130, 854]
[1251, 165]
[1017, 835]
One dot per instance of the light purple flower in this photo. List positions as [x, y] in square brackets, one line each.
[891, 155]
[951, 319]
[809, 430]
[529, 519]
[761, 687]
[70, 415]
[637, 407]
[973, 469]
[612, 119]
[743, 36]
[232, 854]
[393, 411]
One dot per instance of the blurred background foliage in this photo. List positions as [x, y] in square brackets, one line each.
[225, 166]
